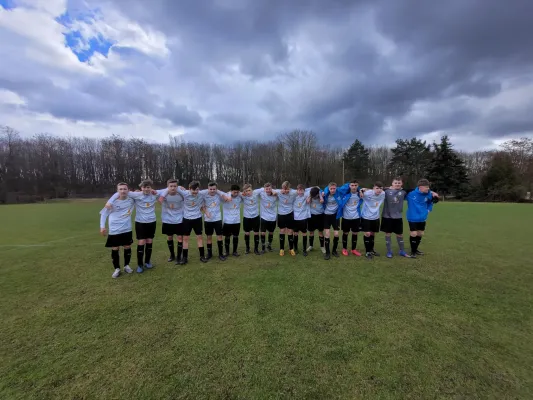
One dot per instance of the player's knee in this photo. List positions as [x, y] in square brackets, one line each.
[180, 238]
[114, 248]
[345, 234]
[387, 234]
[246, 233]
[413, 234]
[170, 237]
[420, 233]
[336, 234]
[399, 236]
[368, 234]
[127, 247]
[141, 242]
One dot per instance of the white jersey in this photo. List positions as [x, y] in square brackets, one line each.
[212, 204]
[350, 210]
[371, 204]
[268, 205]
[251, 204]
[232, 210]
[172, 209]
[302, 209]
[119, 216]
[192, 204]
[285, 202]
[144, 205]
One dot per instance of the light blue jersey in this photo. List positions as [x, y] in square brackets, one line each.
[144, 205]
[316, 206]
[286, 201]
[232, 209]
[251, 204]
[371, 205]
[268, 205]
[172, 209]
[351, 208]
[302, 209]
[192, 204]
[331, 206]
[212, 205]
[119, 216]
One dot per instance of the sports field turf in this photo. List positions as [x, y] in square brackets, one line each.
[455, 323]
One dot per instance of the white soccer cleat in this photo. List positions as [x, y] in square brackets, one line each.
[128, 269]
[116, 273]
[310, 248]
[323, 249]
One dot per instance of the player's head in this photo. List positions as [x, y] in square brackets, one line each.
[212, 188]
[423, 185]
[314, 192]
[172, 186]
[332, 187]
[194, 187]
[146, 186]
[122, 189]
[354, 184]
[301, 189]
[268, 188]
[235, 189]
[378, 187]
[397, 183]
[285, 187]
[247, 189]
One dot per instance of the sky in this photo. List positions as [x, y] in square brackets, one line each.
[225, 70]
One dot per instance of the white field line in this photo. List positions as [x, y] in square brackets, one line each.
[44, 244]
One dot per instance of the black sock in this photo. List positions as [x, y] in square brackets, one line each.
[354, 241]
[344, 241]
[291, 241]
[127, 256]
[180, 250]
[185, 253]
[368, 243]
[220, 245]
[227, 240]
[326, 244]
[263, 240]
[256, 242]
[170, 244]
[335, 243]
[116, 259]
[321, 238]
[419, 239]
[295, 242]
[209, 249]
[414, 244]
[235, 243]
[140, 255]
[311, 240]
[270, 238]
[304, 239]
[202, 251]
[148, 253]
[282, 241]
[372, 241]
[247, 242]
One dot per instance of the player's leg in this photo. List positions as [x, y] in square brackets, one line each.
[150, 233]
[419, 235]
[294, 234]
[398, 230]
[346, 227]
[327, 225]
[198, 231]
[127, 258]
[311, 232]
[335, 237]
[256, 229]
[282, 235]
[179, 234]
[271, 228]
[356, 228]
[236, 231]
[187, 229]
[141, 242]
[115, 257]
[304, 237]
[167, 229]
[375, 225]
[263, 228]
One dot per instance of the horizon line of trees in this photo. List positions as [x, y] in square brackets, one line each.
[46, 166]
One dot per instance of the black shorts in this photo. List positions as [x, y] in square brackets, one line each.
[285, 221]
[353, 225]
[392, 225]
[417, 226]
[251, 224]
[232, 229]
[268, 226]
[300, 225]
[370, 225]
[330, 220]
[215, 226]
[172, 229]
[122, 239]
[316, 222]
[190, 225]
[145, 230]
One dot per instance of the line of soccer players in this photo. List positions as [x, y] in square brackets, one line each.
[297, 212]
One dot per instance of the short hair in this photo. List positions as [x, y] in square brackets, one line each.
[314, 191]
[332, 184]
[246, 186]
[286, 185]
[235, 187]
[172, 181]
[146, 183]
[398, 178]
[300, 186]
[211, 184]
[194, 185]
[268, 184]
[122, 184]
[354, 181]
[423, 182]
[378, 184]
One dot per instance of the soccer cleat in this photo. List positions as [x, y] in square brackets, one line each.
[292, 253]
[140, 269]
[356, 253]
[184, 261]
[310, 249]
[170, 259]
[128, 269]
[404, 254]
[419, 253]
[222, 257]
[269, 247]
[334, 253]
[203, 259]
[209, 255]
[344, 252]
[256, 252]
[413, 255]
[376, 254]
[304, 253]
[178, 262]
[148, 266]
[235, 254]
[247, 251]
[281, 253]
[116, 273]
[327, 256]
[323, 249]
[389, 254]
[369, 255]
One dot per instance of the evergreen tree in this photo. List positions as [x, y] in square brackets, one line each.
[447, 172]
[410, 159]
[357, 160]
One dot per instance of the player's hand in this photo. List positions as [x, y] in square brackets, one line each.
[321, 200]
[308, 200]
[103, 231]
[181, 187]
[161, 199]
[434, 194]
[154, 191]
[108, 206]
[227, 199]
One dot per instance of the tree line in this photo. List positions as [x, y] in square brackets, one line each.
[46, 166]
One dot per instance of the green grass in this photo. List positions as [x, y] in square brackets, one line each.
[456, 323]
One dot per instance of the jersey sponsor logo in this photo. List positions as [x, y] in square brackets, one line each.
[314, 205]
[268, 205]
[213, 204]
[171, 205]
[147, 204]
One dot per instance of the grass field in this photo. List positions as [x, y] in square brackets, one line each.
[455, 323]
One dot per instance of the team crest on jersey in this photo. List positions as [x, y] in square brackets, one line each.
[193, 203]
[299, 204]
[213, 204]
[147, 204]
[234, 205]
[171, 205]
[268, 205]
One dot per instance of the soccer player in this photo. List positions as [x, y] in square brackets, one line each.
[419, 203]
[333, 198]
[286, 198]
[145, 221]
[172, 218]
[251, 221]
[213, 218]
[372, 201]
[392, 216]
[302, 212]
[267, 207]
[351, 218]
[120, 234]
[232, 219]
[316, 221]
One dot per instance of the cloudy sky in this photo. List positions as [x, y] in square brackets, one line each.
[224, 70]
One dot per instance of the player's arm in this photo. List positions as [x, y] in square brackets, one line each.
[103, 218]
[224, 196]
[182, 191]
[162, 195]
